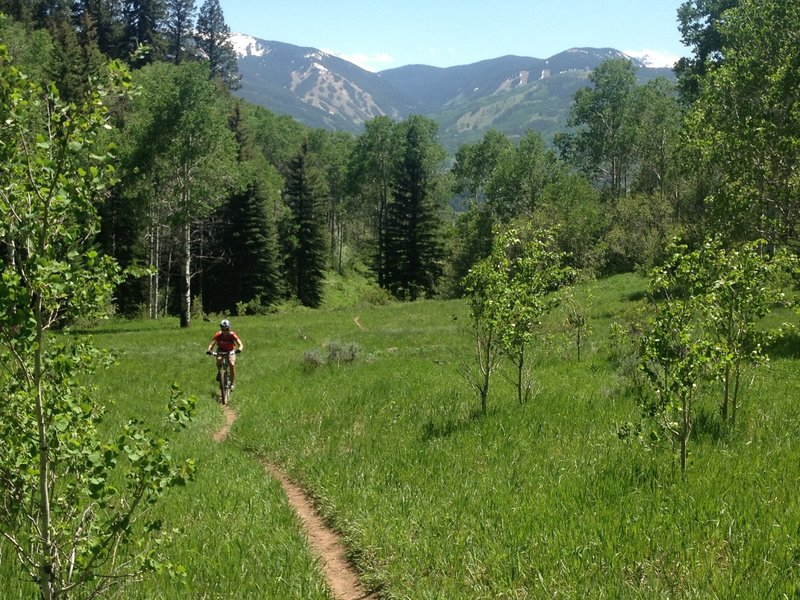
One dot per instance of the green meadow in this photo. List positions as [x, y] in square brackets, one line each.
[435, 500]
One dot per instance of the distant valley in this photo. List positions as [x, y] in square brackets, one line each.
[511, 94]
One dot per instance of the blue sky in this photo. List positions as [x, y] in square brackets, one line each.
[383, 35]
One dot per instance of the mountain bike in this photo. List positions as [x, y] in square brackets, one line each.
[224, 374]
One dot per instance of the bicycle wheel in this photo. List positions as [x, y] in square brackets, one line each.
[224, 387]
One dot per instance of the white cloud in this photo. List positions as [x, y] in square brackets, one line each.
[654, 58]
[368, 62]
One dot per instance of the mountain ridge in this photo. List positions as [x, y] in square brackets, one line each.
[509, 93]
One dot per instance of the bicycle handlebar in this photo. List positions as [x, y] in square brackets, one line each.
[218, 353]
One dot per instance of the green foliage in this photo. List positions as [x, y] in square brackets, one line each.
[673, 356]
[708, 304]
[244, 237]
[742, 285]
[534, 272]
[413, 218]
[179, 161]
[76, 525]
[303, 229]
[354, 288]
[520, 178]
[371, 173]
[641, 226]
[744, 126]
[575, 319]
[657, 142]
[571, 208]
[485, 284]
[33, 51]
[602, 146]
[700, 23]
[508, 294]
[470, 240]
[213, 40]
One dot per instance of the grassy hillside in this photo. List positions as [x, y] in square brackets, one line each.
[436, 501]
[542, 106]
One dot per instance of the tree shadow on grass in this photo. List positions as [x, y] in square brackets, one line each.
[708, 425]
[786, 345]
[442, 428]
[636, 296]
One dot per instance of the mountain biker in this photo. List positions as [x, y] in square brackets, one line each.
[226, 340]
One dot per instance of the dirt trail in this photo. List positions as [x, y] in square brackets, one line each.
[230, 416]
[325, 543]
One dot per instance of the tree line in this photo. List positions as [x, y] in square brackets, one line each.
[234, 208]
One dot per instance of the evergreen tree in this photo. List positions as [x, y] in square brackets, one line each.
[303, 237]
[142, 22]
[38, 14]
[66, 67]
[254, 270]
[413, 241]
[213, 39]
[245, 246]
[179, 27]
[77, 57]
[104, 18]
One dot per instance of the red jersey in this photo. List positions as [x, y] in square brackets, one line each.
[226, 340]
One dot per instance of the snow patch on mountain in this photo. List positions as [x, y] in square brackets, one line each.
[247, 45]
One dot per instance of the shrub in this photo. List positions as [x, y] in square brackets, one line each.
[313, 358]
[337, 353]
[343, 353]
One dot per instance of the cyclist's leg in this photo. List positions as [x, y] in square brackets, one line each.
[232, 365]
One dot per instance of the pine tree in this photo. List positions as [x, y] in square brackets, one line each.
[66, 69]
[213, 39]
[76, 56]
[104, 18]
[179, 27]
[247, 267]
[254, 266]
[414, 248]
[142, 22]
[304, 242]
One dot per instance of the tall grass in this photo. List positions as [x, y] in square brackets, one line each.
[435, 500]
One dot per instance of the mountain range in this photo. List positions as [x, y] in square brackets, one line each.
[511, 94]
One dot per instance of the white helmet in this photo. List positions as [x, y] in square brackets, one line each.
[225, 324]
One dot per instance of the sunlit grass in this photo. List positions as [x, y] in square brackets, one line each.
[435, 500]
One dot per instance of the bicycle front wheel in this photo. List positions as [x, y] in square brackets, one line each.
[224, 387]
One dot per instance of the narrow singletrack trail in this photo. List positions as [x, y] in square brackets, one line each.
[222, 433]
[325, 543]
